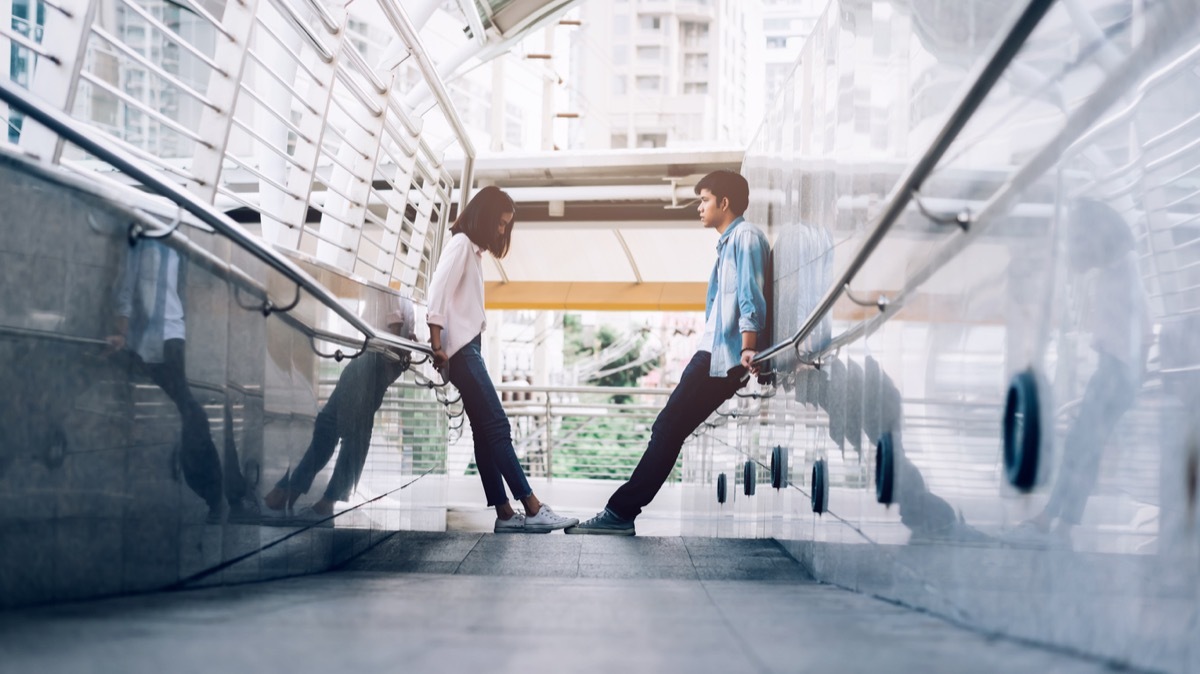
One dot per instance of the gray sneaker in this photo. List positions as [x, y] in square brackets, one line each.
[607, 522]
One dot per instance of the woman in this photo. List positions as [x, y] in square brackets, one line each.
[456, 320]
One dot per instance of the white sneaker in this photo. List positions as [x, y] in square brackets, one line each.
[546, 520]
[512, 525]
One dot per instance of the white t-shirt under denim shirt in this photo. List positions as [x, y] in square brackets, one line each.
[148, 296]
[456, 294]
[710, 333]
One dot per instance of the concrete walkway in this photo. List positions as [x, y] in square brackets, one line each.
[481, 603]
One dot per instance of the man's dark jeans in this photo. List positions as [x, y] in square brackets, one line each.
[198, 455]
[697, 396]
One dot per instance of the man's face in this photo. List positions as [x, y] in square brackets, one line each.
[711, 213]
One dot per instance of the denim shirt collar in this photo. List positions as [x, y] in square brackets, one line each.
[729, 231]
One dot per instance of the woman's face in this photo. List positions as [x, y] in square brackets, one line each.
[505, 220]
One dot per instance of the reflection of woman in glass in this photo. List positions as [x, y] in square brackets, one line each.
[349, 414]
[456, 321]
[1099, 240]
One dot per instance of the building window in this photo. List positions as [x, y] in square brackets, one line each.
[649, 54]
[649, 22]
[695, 34]
[695, 88]
[620, 25]
[649, 83]
[695, 66]
[618, 85]
[620, 54]
[619, 141]
[652, 140]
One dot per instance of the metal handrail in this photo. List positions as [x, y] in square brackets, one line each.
[400, 21]
[1076, 125]
[982, 85]
[106, 150]
[289, 14]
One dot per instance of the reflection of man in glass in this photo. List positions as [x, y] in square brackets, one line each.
[349, 414]
[150, 324]
[1100, 241]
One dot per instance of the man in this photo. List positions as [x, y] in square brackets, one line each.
[735, 315]
[150, 324]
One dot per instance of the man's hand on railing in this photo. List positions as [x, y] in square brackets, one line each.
[748, 360]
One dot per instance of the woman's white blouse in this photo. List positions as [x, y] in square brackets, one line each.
[456, 294]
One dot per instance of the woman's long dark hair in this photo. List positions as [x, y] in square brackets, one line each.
[480, 220]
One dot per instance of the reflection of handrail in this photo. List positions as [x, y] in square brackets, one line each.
[31, 333]
[1100, 100]
[1174, 68]
[988, 76]
[105, 150]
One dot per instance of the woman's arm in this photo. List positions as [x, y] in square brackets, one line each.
[435, 343]
[446, 275]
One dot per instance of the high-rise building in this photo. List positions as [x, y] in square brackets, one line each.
[786, 25]
[645, 73]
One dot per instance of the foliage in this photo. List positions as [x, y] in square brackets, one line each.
[624, 370]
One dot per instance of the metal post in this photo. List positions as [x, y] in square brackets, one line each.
[549, 439]
[56, 83]
[224, 86]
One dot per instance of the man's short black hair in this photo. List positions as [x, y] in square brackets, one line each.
[725, 184]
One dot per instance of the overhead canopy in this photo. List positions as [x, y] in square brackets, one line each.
[606, 230]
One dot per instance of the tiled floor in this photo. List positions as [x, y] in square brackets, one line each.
[474, 602]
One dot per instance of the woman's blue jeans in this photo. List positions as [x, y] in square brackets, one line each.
[494, 454]
[349, 414]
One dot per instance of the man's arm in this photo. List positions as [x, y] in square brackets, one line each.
[749, 350]
[751, 265]
[124, 299]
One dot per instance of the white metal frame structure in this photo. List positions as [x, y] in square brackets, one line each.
[266, 108]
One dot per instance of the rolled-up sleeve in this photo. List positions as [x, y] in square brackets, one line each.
[751, 251]
[449, 270]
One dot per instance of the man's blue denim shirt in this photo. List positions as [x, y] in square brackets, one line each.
[742, 253]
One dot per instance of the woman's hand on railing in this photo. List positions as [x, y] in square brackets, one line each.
[439, 358]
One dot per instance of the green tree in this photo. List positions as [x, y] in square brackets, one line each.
[624, 367]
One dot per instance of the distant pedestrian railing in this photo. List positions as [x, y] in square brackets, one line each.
[584, 432]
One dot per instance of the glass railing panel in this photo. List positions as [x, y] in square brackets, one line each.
[154, 400]
[1071, 276]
